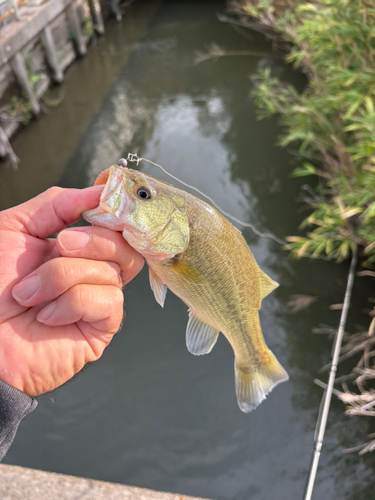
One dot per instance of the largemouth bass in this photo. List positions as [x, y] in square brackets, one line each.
[201, 257]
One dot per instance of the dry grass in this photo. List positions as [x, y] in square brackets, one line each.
[359, 399]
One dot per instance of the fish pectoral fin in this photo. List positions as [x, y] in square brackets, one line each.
[200, 337]
[267, 284]
[158, 287]
[253, 386]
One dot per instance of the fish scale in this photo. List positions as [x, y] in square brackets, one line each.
[194, 251]
[231, 288]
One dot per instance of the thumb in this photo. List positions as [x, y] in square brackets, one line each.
[51, 211]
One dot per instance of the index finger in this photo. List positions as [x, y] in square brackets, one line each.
[51, 211]
[98, 243]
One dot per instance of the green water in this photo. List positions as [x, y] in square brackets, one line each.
[149, 413]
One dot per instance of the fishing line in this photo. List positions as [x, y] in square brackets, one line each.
[327, 396]
[326, 400]
[134, 158]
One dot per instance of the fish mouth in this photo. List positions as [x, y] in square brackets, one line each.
[114, 202]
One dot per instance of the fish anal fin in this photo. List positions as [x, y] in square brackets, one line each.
[200, 337]
[158, 287]
[253, 386]
[267, 284]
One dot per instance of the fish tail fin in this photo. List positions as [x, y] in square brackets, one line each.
[253, 386]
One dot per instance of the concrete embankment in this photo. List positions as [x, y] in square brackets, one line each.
[20, 483]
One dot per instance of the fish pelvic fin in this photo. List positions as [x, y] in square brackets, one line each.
[158, 287]
[200, 337]
[253, 386]
[267, 285]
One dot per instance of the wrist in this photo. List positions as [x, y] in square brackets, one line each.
[13, 380]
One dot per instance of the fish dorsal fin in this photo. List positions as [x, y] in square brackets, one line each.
[158, 287]
[267, 284]
[200, 337]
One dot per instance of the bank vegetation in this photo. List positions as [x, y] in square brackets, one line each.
[331, 124]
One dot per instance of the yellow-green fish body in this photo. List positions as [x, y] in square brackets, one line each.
[200, 256]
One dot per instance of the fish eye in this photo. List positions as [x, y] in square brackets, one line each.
[144, 193]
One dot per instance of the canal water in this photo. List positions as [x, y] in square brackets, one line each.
[149, 413]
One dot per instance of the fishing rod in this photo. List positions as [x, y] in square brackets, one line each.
[327, 396]
[326, 400]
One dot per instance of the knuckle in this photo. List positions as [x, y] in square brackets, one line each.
[120, 296]
[117, 299]
[77, 294]
[120, 282]
[105, 241]
[7, 219]
[112, 246]
[61, 270]
[57, 275]
[117, 280]
[55, 191]
[116, 243]
[94, 353]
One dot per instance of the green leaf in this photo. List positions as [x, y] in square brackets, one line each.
[306, 169]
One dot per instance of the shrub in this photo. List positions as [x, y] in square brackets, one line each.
[332, 121]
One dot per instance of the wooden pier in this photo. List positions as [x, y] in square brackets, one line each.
[38, 40]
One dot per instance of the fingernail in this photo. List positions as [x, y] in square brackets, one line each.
[26, 288]
[46, 312]
[73, 240]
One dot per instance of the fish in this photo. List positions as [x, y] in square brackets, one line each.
[194, 251]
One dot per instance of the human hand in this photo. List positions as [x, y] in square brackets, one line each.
[69, 303]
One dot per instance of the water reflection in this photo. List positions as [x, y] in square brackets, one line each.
[149, 413]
